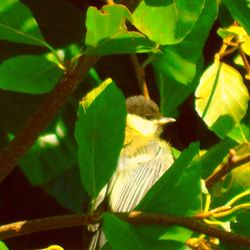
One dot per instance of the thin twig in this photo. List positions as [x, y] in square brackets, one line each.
[110, 2]
[43, 115]
[245, 61]
[233, 162]
[136, 218]
[226, 42]
[212, 212]
[140, 75]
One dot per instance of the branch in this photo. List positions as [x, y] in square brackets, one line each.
[138, 218]
[192, 223]
[245, 61]
[234, 161]
[47, 110]
[140, 75]
[110, 2]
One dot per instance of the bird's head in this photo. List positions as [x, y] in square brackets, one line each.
[144, 116]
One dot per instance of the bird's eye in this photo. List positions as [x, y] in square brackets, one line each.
[149, 117]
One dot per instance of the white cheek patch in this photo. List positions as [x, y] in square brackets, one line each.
[141, 125]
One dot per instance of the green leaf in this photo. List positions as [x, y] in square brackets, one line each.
[224, 16]
[169, 195]
[242, 36]
[68, 190]
[99, 134]
[162, 237]
[215, 155]
[126, 238]
[53, 153]
[242, 224]
[241, 133]
[132, 237]
[3, 246]
[17, 24]
[224, 33]
[235, 182]
[221, 98]
[107, 33]
[167, 22]
[29, 74]
[239, 11]
[178, 67]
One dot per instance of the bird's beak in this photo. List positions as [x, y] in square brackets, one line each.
[165, 120]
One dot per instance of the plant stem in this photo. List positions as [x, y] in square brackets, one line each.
[43, 115]
[237, 197]
[225, 168]
[135, 218]
[245, 61]
[140, 75]
[235, 208]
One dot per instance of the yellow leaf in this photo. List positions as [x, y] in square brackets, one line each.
[221, 98]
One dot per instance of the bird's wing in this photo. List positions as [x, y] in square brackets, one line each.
[136, 174]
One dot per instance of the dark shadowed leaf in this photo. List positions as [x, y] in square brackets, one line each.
[53, 153]
[68, 190]
[242, 223]
[99, 134]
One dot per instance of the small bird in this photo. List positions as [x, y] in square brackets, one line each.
[143, 159]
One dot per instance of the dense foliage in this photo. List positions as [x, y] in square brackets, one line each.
[66, 68]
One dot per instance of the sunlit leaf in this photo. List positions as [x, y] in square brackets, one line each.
[167, 22]
[241, 133]
[221, 98]
[29, 74]
[178, 67]
[53, 247]
[17, 24]
[107, 32]
[99, 134]
[3, 246]
[241, 34]
[238, 60]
